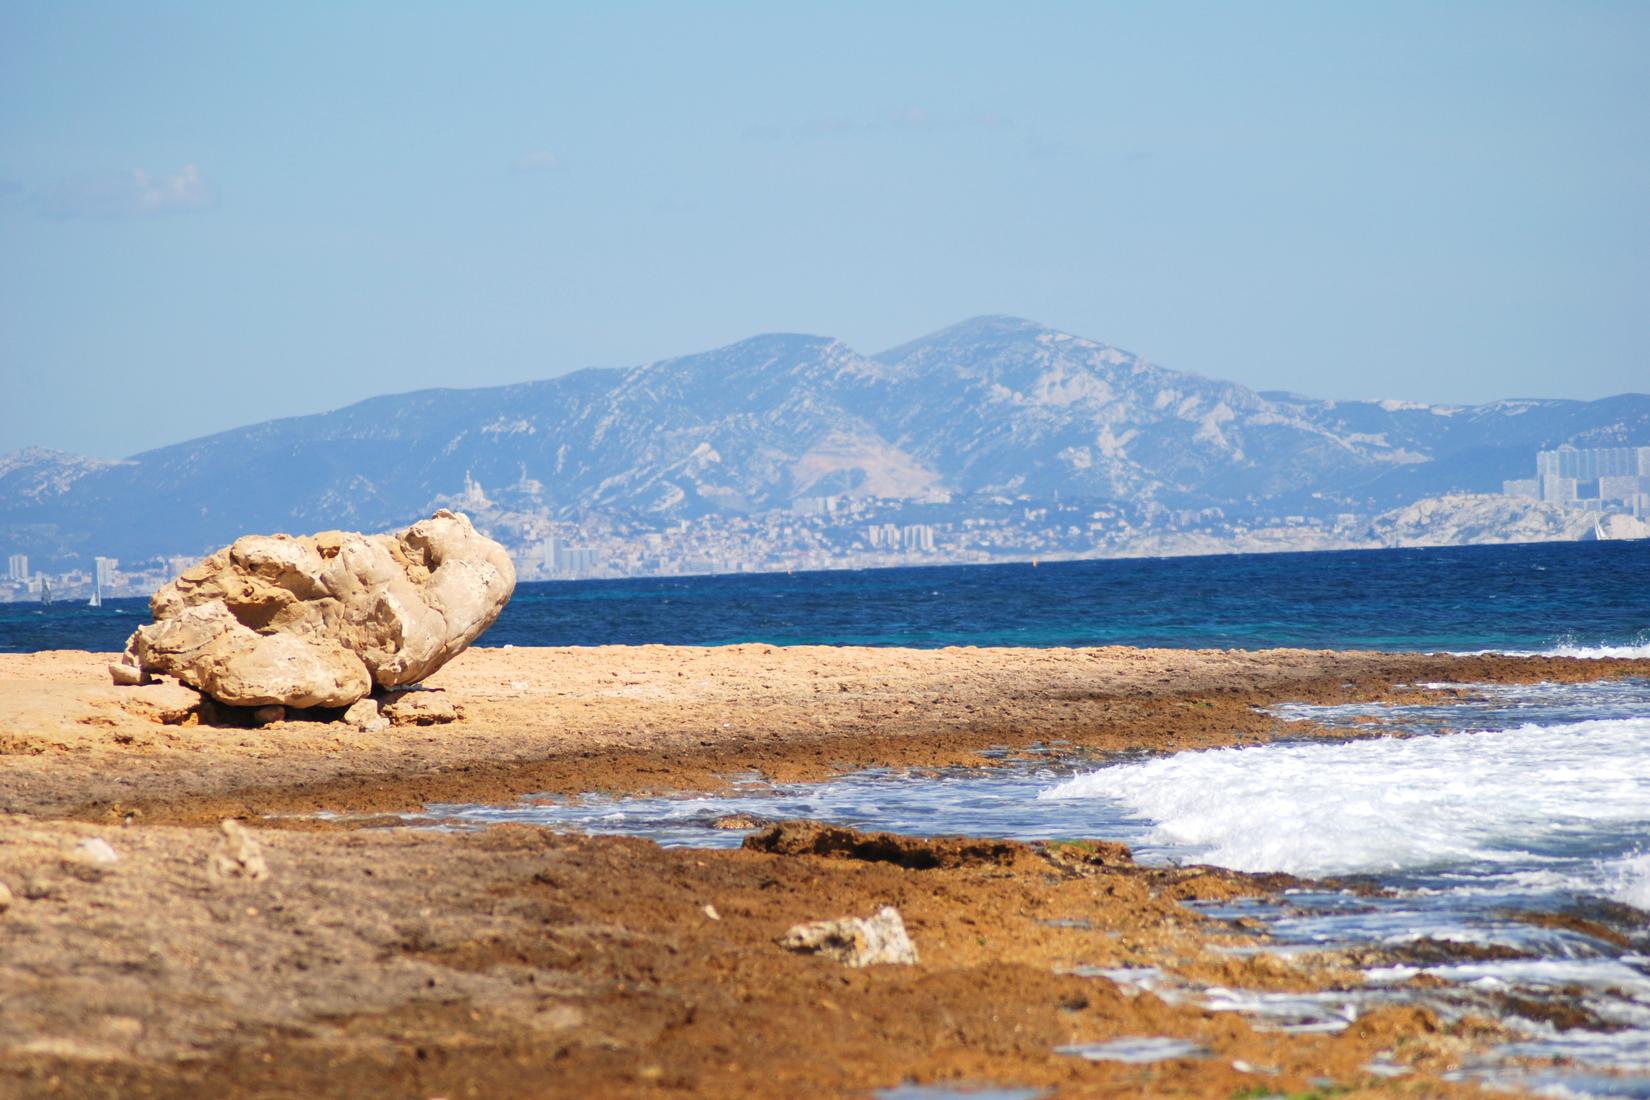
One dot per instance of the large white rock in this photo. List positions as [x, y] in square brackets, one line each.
[323, 620]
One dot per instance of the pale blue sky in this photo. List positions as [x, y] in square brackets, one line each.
[212, 214]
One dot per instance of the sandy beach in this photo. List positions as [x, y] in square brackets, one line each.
[518, 962]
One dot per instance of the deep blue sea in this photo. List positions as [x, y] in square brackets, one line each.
[1537, 597]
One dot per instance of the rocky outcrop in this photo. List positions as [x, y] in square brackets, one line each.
[1463, 518]
[323, 620]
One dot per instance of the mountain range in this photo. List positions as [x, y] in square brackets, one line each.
[995, 406]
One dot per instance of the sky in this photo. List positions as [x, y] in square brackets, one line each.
[213, 214]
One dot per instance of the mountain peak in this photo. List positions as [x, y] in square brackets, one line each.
[773, 343]
[986, 328]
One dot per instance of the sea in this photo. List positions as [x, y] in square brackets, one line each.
[1588, 598]
[1499, 843]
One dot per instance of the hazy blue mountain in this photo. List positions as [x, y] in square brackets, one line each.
[995, 405]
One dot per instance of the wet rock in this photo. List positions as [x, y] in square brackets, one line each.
[237, 856]
[364, 714]
[739, 821]
[855, 941]
[1087, 855]
[322, 620]
[811, 838]
[419, 708]
[264, 716]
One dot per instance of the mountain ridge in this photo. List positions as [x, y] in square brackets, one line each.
[993, 406]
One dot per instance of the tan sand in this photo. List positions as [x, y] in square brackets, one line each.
[514, 962]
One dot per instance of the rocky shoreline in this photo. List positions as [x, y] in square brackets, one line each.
[517, 962]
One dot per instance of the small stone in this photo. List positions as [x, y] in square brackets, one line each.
[364, 715]
[856, 941]
[710, 911]
[94, 851]
[263, 716]
[126, 675]
[5, 897]
[419, 708]
[238, 855]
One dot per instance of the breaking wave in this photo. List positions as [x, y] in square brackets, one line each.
[1570, 800]
[1568, 646]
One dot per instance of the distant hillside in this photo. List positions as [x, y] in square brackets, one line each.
[995, 405]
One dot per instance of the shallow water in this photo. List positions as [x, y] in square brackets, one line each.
[1136, 1051]
[1467, 817]
[959, 1092]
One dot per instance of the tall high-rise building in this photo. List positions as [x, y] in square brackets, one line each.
[918, 536]
[1592, 463]
[104, 578]
[1557, 488]
[1595, 478]
[17, 567]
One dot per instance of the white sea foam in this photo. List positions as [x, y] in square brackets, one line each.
[1562, 796]
[1639, 647]
[1627, 880]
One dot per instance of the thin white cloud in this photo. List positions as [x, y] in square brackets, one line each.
[908, 119]
[540, 160]
[130, 194]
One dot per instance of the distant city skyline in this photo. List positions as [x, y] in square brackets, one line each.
[215, 216]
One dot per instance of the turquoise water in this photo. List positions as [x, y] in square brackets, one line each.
[1530, 597]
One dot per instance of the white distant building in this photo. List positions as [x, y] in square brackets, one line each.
[1622, 487]
[884, 536]
[559, 559]
[580, 560]
[104, 574]
[814, 506]
[474, 496]
[1597, 479]
[1592, 463]
[1559, 489]
[17, 567]
[918, 536]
